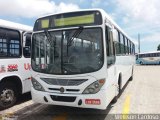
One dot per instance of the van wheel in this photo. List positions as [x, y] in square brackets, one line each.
[8, 95]
[119, 90]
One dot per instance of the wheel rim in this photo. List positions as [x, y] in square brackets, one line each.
[7, 97]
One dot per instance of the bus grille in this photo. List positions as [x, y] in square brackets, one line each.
[64, 82]
[63, 98]
[68, 90]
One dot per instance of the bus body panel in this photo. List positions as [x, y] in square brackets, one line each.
[39, 98]
[106, 94]
[111, 82]
[17, 67]
[124, 66]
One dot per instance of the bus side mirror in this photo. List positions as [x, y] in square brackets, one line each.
[26, 37]
[115, 35]
[26, 51]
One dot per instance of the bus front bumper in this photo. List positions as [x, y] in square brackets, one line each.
[96, 101]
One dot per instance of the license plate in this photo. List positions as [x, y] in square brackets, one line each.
[93, 101]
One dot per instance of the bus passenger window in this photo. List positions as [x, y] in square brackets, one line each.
[10, 44]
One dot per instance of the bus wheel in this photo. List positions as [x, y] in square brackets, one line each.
[8, 95]
[141, 63]
[131, 78]
[119, 89]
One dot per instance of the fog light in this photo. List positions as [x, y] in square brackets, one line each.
[45, 99]
[80, 102]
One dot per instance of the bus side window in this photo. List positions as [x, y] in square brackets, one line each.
[10, 45]
[3, 43]
[27, 47]
[110, 47]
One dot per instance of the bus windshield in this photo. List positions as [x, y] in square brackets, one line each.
[71, 51]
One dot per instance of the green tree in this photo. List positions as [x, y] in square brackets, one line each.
[158, 48]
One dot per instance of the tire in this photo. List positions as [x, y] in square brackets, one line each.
[119, 89]
[8, 95]
[141, 63]
[131, 78]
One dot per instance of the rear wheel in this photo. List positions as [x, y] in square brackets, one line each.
[8, 95]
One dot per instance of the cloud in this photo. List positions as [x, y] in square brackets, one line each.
[139, 16]
[143, 10]
[96, 3]
[33, 8]
[154, 37]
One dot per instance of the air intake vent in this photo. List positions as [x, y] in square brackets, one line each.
[63, 98]
[68, 90]
[64, 82]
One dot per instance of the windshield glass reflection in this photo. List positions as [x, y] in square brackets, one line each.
[73, 51]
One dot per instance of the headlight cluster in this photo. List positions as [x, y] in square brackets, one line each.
[37, 85]
[94, 87]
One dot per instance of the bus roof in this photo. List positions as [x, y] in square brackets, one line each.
[13, 25]
[104, 15]
[149, 52]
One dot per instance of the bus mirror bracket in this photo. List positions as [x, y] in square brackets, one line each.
[24, 37]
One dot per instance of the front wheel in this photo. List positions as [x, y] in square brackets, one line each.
[131, 78]
[118, 91]
[8, 95]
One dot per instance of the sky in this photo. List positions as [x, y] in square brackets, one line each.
[133, 16]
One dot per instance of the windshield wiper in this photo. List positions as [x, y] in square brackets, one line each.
[52, 42]
[76, 34]
[50, 38]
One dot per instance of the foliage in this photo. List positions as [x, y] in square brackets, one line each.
[158, 48]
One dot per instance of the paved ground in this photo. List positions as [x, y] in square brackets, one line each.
[140, 96]
[143, 92]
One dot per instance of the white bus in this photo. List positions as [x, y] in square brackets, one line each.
[148, 58]
[74, 61]
[15, 44]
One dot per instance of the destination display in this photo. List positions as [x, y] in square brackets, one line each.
[69, 20]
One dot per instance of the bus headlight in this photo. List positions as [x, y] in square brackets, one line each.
[37, 85]
[94, 87]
